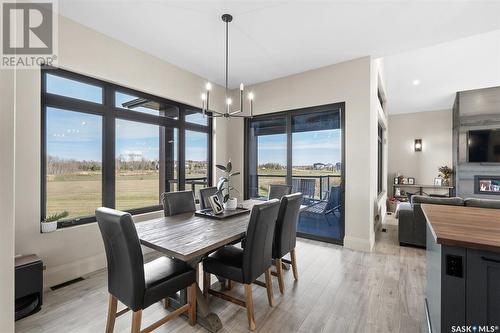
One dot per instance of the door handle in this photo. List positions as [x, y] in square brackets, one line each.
[490, 260]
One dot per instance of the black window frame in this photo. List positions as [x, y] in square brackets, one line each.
[380, 159]
[109, 113]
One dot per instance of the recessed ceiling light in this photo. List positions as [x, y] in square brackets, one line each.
[416, 82]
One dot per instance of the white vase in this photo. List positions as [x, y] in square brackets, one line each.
[49, 226]
[231, 204]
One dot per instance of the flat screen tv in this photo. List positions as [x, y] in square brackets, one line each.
[484, 146]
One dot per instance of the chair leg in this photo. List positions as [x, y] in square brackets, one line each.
[192, 304]
[206, 284]
[112, 307]
[294, 264]
[136, 321]
[249, 306]
[269, 287]
[229, 284]
[279, 271]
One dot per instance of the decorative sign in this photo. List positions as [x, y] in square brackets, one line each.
[215, 203]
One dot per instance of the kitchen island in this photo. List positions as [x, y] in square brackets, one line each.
[463, 268]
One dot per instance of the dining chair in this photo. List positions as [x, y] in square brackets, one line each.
[277, 191]
[178, 202]
[139, 285]
[285, 235]
[205, 193]
[247, 264]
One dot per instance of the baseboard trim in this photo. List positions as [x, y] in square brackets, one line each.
[358, 244]
[63, 273]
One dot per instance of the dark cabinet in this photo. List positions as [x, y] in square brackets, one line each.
[483, 288]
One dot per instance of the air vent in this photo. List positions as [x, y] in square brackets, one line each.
[67, 283]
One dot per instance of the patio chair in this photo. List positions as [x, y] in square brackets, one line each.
[306, 186]
[331, 205]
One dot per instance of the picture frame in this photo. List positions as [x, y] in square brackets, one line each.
[405, 181]
[215, 203]
[396, 181]
[411, 181]
[438, 181]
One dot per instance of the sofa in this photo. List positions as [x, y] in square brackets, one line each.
[412, 222]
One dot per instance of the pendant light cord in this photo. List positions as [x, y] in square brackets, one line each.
[227, 54]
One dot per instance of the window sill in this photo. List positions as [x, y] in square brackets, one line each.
[141, 217]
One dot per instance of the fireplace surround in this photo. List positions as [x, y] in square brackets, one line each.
[487, 185]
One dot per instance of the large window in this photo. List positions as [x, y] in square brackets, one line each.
[73, 162]
[304, 149]
[106, 145]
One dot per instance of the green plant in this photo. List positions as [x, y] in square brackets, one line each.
[446, 172]
[224, 184]
[56, 216]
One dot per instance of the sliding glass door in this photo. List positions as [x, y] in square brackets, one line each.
[267, 145]
[317, 172]
[302, 148]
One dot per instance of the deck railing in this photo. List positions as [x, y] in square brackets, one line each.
[323, 184]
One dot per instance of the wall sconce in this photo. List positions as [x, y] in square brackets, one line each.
[418, 144]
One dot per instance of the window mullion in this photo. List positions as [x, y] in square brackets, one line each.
[289, 148]
[108, 151]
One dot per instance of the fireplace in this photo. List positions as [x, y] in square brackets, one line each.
[487, 185]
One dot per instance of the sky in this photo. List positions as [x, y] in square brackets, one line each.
[74, 135]
[307, 148]
[78, 136]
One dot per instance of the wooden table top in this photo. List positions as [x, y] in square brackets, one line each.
[187, 236]
[470, 227]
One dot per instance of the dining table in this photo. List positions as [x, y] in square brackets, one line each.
[190, 237]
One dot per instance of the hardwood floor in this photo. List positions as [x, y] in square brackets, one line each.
[339, 290]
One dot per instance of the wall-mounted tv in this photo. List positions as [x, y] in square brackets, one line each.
[484, 146]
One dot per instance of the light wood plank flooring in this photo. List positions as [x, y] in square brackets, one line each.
[339, 290]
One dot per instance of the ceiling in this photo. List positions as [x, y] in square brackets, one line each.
[442, 70]
[271, 39]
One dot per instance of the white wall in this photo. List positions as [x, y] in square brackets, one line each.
[7, 167]
[348, 82]
[435, 130]
[70, 252]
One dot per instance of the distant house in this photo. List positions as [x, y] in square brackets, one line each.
[338, 166]
[319, 166]
[131, 156]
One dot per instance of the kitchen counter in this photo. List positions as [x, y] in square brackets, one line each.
[470, 227]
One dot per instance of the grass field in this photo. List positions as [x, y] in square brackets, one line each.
[80, 194]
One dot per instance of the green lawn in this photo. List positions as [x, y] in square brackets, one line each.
[80, 194]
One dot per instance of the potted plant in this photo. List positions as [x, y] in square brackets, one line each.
[446, 172]
[224, 187]
[50, 222]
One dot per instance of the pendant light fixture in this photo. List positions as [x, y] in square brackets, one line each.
[205, 97]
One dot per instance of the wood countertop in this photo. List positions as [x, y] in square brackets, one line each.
[470, 227]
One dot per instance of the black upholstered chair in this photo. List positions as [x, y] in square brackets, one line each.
[205, 193]
[285, 235]
[135, 284]
[277, 191]
[178, 202]
[247, 264]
